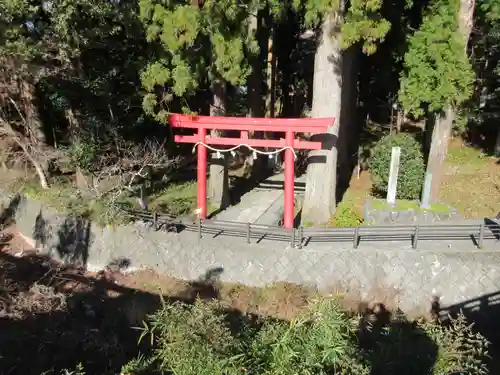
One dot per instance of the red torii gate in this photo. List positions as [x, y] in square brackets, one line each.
[245, 124]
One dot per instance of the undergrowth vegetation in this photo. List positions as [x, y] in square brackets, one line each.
[175, 199]
[204, 339]
[101, 326]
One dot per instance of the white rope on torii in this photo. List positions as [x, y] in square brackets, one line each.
[255, 151]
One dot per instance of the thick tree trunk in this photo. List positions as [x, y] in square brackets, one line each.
[255, 84]
[349, 125]
[255, 100]
[34, 124]
[271, 75]
[218, 182]
[444, 123]
[441, 134]
[320, 198]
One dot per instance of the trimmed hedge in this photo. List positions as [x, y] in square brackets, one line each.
[411, 168]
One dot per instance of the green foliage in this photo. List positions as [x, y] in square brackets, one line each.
[198, 340]
[199, 45]
[411, 348]
[83, 153]
[459, 348]
[346, 216]
[362, 21]
[321, 340]
[491, 8]
[411, 168]
[194, 340]
[362, 25]
[140, 365]
[316, 9]
[205, 339]
[437, 72]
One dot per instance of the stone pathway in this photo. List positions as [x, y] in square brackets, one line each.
[263, 205]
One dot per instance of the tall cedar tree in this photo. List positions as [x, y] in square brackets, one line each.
[438, 76]
[340, 28]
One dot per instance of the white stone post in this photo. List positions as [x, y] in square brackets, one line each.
[393, 176]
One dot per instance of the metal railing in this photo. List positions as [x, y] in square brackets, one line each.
[299, 237]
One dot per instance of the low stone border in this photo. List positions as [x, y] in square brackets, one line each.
[374, 216]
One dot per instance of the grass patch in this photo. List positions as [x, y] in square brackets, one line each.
[346, 216]
[403, 205]
[472, 182]
[464, 155]
[64, 197]
[175, 200]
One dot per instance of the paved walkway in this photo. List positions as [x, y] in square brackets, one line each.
[263, 205]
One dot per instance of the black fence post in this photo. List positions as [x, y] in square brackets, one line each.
[415, 236]
[199, 227]
[248, 233]
[355, 241]
[481, 236]
[301, 235]
[155, 220]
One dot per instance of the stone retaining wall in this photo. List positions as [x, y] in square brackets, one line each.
[389, 272]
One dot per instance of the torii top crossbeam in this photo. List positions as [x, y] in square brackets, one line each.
[245, 125]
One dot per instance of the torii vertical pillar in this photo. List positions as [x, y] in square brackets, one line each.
[201, 174]
[289, 214]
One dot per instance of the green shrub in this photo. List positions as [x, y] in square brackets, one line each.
[194, 340]
[83, 153]
[321, 340]
[205, 339]
[346, 217]
[410, 348]
[411, 168]
[199, 339]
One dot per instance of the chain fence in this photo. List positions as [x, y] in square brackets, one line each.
[299, 237]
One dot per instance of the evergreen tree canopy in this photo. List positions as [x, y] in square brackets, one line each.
[437, 72]
[199, 44]
[362, 20]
